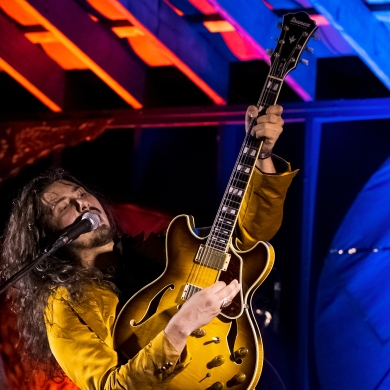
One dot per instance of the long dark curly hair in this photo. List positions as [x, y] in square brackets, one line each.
[24, 239]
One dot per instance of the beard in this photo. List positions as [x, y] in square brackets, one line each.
[100, 237]
[103, 235]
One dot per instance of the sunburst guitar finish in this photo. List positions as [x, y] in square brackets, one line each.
[227, 352]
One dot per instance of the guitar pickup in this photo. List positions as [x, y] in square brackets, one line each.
[212, 258]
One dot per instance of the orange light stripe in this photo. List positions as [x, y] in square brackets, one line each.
[29, 86]
[177, 10]
[122, 92]
[217, 26]
[214, 96]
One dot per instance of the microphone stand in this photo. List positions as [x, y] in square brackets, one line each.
[47, 252]
[89, 221]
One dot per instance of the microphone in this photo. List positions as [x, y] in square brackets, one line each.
[88, 222]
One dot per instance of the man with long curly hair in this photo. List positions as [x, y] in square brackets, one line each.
[67, 305]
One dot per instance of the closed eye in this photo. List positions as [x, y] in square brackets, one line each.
[82, 193]
[64, 206]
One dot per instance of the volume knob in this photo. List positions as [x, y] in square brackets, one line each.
[217, 386]
[239, 378]
[216, 362]
[240, 353]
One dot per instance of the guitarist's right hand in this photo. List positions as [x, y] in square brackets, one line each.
[198, 311]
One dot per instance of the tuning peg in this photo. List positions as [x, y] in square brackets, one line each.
[309, 49]
[316, 37]
[304, 61]
[269, 52]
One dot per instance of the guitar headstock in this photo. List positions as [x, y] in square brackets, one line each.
[297, 29]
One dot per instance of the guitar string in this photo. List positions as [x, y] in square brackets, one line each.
[249, 142]
[252, 143]
[240, 174]
[272, 94]
[211, 247]
[264, 102]
[245, 159]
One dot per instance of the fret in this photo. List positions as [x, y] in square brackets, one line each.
[250, 151]
[236, 191]
[244, 175]
[218, 233]
[244, 168]
[223, 220]
[273, 86]
[217, 245]
[238, 181]
[229, 210]
[217, 240]
[239, 184]
[226, 225]
[231, 204]
[228, 216]
[221, 231]
[233, 198]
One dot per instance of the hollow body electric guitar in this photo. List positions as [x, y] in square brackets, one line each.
[227, 353]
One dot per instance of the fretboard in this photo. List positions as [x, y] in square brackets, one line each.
[226, 218]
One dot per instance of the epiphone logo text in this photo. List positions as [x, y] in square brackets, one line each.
[294, 20]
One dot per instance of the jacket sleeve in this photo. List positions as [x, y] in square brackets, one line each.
[262, 207]
[81, 341]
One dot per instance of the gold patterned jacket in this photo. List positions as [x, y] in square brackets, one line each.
[80, 336]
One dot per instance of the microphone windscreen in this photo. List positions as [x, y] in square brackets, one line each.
[94, 219]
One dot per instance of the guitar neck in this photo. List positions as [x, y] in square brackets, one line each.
[226, 218]
[296, 31]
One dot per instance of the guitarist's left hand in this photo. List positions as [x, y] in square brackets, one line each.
[269, 126]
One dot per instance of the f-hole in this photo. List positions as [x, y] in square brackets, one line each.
[152, 309]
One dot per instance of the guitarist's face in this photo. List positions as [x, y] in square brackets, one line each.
[68, 202]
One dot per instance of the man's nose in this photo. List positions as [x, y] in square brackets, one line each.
[82, 204]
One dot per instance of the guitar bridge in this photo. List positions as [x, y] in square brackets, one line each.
[212, 258]
[189, 291]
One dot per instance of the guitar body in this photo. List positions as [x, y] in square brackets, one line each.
[214, 350]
